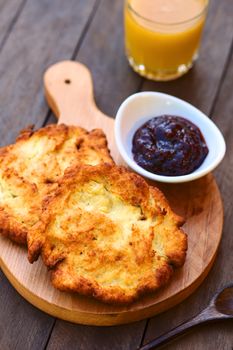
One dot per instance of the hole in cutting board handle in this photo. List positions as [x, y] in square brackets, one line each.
[67, 81]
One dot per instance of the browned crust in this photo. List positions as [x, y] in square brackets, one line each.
[85, 147]
[10, 228]
[14, 226]
[85, 140]
[112, 295]
[132, 189]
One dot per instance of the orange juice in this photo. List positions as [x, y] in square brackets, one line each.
[162, 36]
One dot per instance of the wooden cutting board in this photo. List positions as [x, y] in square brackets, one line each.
[69, 91]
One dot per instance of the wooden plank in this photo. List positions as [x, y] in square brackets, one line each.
[46, 32]
[9, 14]
[200, 85]
[10, 10]
[218, 335]
[21, 325]
[73, 337]
[102, 51]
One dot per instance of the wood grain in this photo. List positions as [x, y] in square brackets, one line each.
[22, 326]
[9, 13]
[69, 91]
[73, 336]
[102, 51]
[213, 312]
[46, 31]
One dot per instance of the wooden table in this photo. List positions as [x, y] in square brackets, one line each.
[35, 34]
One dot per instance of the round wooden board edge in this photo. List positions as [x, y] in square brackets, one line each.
[113, 319]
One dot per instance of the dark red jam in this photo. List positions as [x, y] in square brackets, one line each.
[169, 145]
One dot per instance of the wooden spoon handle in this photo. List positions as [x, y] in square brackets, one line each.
[69, 92]
[207, 315]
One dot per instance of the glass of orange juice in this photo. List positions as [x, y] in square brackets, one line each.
[162, 37]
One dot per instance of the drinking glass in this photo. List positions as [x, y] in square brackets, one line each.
[163, 49]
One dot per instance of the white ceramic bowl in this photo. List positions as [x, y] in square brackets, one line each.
[140, 107]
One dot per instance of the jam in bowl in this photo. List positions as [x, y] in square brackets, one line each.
[169, 145]
[167, 139]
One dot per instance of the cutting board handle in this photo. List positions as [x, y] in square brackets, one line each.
[69, 92]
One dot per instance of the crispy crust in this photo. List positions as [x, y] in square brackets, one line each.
[31, 168]
[108, 234]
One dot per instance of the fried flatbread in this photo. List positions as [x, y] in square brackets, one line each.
[108, 234]
[31, 168]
